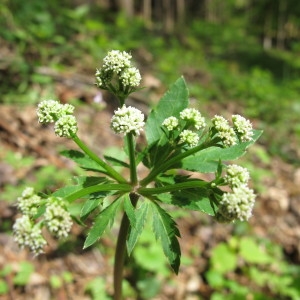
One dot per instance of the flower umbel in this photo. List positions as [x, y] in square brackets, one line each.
[243, 128]
[26, 234]
[57, 218]
[238, 204]
[116, 61]
[189, 137]
[66, 126]
[170, 123]
[131, 77]
[193, 116]
[224, 131]
[236, 176]
[127, 120]
[29, 202]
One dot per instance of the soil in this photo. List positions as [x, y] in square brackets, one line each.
[276, 215]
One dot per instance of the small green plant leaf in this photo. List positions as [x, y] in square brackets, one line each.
[166, 231]
[135, 232]
[102, 220]
[84, 161]
[24, 273]
[171, 104]
[251, 251]
[129, 210]
[89, 206]
[207, 160]
[223, 259]
[3, 287]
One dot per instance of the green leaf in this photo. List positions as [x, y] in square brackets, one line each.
[84, 161]
[194, 199]
[89, 206]
[166, 231]
[103, 219]
[129, 210]
[81, 183]
[135, 232]
[207, 160]
[24, 273]
[223, 259]
[171, 104]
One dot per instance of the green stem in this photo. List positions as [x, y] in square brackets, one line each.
[121, 251]
[174, 187]
[165, 166]
[110, 171]
[131, 150]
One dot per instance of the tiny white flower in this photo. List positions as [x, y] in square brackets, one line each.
[127, 119]
[48, 110]
[58, 220]
[236, 176]
[189, 137]
[170, 123]
[116, 61]
[29, 202]
[243, 128]
[130, 77]
[238, 204]
[26, 234]
[66, 126]
[224, 131]
[194, 116]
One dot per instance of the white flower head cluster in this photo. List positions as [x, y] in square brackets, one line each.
[66, 126]
[28, 234]
[224, 131]
[236, 176]
[29, 202]
[189, 137]
[131, 77]
[57, 218]
[49, 111]
[170, 123]
[243, 128]
[238, 204]
[127, 120]
[117, 63]
[193, 116]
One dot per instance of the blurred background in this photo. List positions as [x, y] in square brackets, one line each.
[237, 56]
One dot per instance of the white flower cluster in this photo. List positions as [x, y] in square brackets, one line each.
[170, 123]
[224, 131]
[238, 204]
[236, 176]
[29, 202]
[189, 137]
[193, 116]
[117, 63]
[57, 218]
[28, 234]
[127, 120]
[242, 127]
[49, 111]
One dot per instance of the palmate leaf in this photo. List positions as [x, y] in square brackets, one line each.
[101, 222]
[171, 104]
[207, 160]
[135, 232]
[166, 231]
[83, 161]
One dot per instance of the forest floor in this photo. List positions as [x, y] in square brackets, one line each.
[276, 215]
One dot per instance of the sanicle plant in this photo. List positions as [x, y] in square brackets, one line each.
[177, 138]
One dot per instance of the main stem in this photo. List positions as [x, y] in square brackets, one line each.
[121, 251]
[125, 224]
